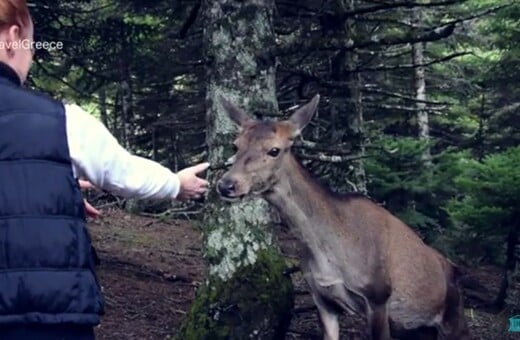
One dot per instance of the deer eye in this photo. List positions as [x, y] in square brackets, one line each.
[274, 152]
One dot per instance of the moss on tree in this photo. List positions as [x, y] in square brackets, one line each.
[255, 304]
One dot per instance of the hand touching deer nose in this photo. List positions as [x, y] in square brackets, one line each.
[192, 187]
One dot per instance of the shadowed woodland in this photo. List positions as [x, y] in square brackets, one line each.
[419, 110]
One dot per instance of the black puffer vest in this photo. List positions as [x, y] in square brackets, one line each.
[46, 262]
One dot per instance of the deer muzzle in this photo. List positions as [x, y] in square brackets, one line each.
[226, 187]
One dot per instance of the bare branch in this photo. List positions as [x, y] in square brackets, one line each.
[310, 75]
[348, 44]
[481, 14]
[367, 9]
[52, 75]
[191, 19]
[402, 96]
[411, 66]
[402, 108]
[396, 5]
[32, 5]
[320, 156]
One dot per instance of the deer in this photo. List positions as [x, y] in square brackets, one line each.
[357, 258]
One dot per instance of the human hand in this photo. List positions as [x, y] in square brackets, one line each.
[89, 209]
[192, 187]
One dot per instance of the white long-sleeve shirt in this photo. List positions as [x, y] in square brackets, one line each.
[97, 156]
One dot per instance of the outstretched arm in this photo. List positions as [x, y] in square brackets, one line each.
[97, 156]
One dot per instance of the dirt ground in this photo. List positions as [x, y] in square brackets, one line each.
[150, 269]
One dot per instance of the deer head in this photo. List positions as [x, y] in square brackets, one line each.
[261, 148]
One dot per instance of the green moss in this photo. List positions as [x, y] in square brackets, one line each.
[255, 304]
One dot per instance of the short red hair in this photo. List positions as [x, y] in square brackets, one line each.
[14, 12]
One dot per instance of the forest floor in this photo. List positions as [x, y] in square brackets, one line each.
[150, 268]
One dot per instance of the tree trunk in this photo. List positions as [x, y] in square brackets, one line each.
[125, 113]
[155, 150]
[480, 143]
[356, 121]
[246, 294]
[103, 106]
[132, 205]
[508, 291]
[420, 90]
[347, 105]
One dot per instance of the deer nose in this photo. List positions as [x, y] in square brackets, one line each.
[226, 187]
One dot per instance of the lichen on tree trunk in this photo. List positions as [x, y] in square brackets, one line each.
[246, 294]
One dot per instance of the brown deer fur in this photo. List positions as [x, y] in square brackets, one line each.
[359, 258]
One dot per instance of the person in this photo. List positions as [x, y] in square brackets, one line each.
[48, 284]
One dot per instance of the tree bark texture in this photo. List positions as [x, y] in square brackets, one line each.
[346, 103]
[246, 294]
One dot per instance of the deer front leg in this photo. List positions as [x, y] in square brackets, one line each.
[378, 324]
[328, 316]
[329, 319]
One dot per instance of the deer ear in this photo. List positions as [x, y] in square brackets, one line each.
[236, 114]
[303, 115]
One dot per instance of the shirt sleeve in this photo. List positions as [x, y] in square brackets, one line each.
[97, 156]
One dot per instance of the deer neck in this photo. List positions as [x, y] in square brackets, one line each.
[302, 204]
